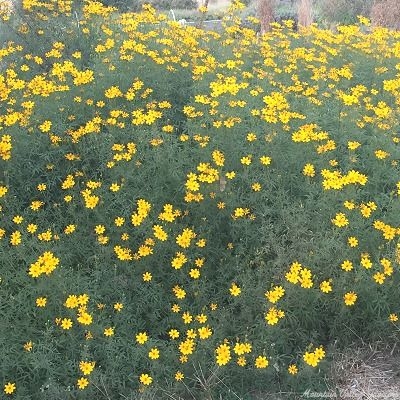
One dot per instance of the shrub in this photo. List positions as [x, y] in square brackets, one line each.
[343, 11]
[386, 13]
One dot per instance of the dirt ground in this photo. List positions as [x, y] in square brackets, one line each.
[368, 372]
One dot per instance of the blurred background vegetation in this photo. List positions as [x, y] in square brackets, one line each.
[326, 13]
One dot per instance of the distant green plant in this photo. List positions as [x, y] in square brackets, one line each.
[342, 11]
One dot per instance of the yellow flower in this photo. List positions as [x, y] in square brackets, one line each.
[273, 315]
[86, 367]
[393, 318]
[350, 205]
[251, 137]
[379, 278]
[28, 346]
[145, 379]
[223, 354]
[175, 308]
[275, 294]
[159, 233]
[69, 229]
[66, 323]
[187, 318]
[352, 241]
[241, 361]
[309, 170]
[41, 302]
[84, 318]
[173, 334]
[179, 376]
[381, 154]
[99, 229]
[311, 359]
[147, 277]
[350, 298]
[261, 362]
[119, 221]
[265, 160]
[3, 191]
[235, 290]
[71, 301]
[347, 265]
[340, 220]
[246, 160]
[118, 307]
[115, 187]
[15, 238]
[141, 337]
[325, 287]
[352, 145]
[9, 388]
[18, 219]
[109, 332]
[82, 383]
[204, 332]
[154, 353]
[187, 347]
[292, 369]
[194, 273]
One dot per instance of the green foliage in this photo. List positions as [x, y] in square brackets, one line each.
[342, 11]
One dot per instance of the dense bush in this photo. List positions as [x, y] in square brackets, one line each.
[191, 213]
